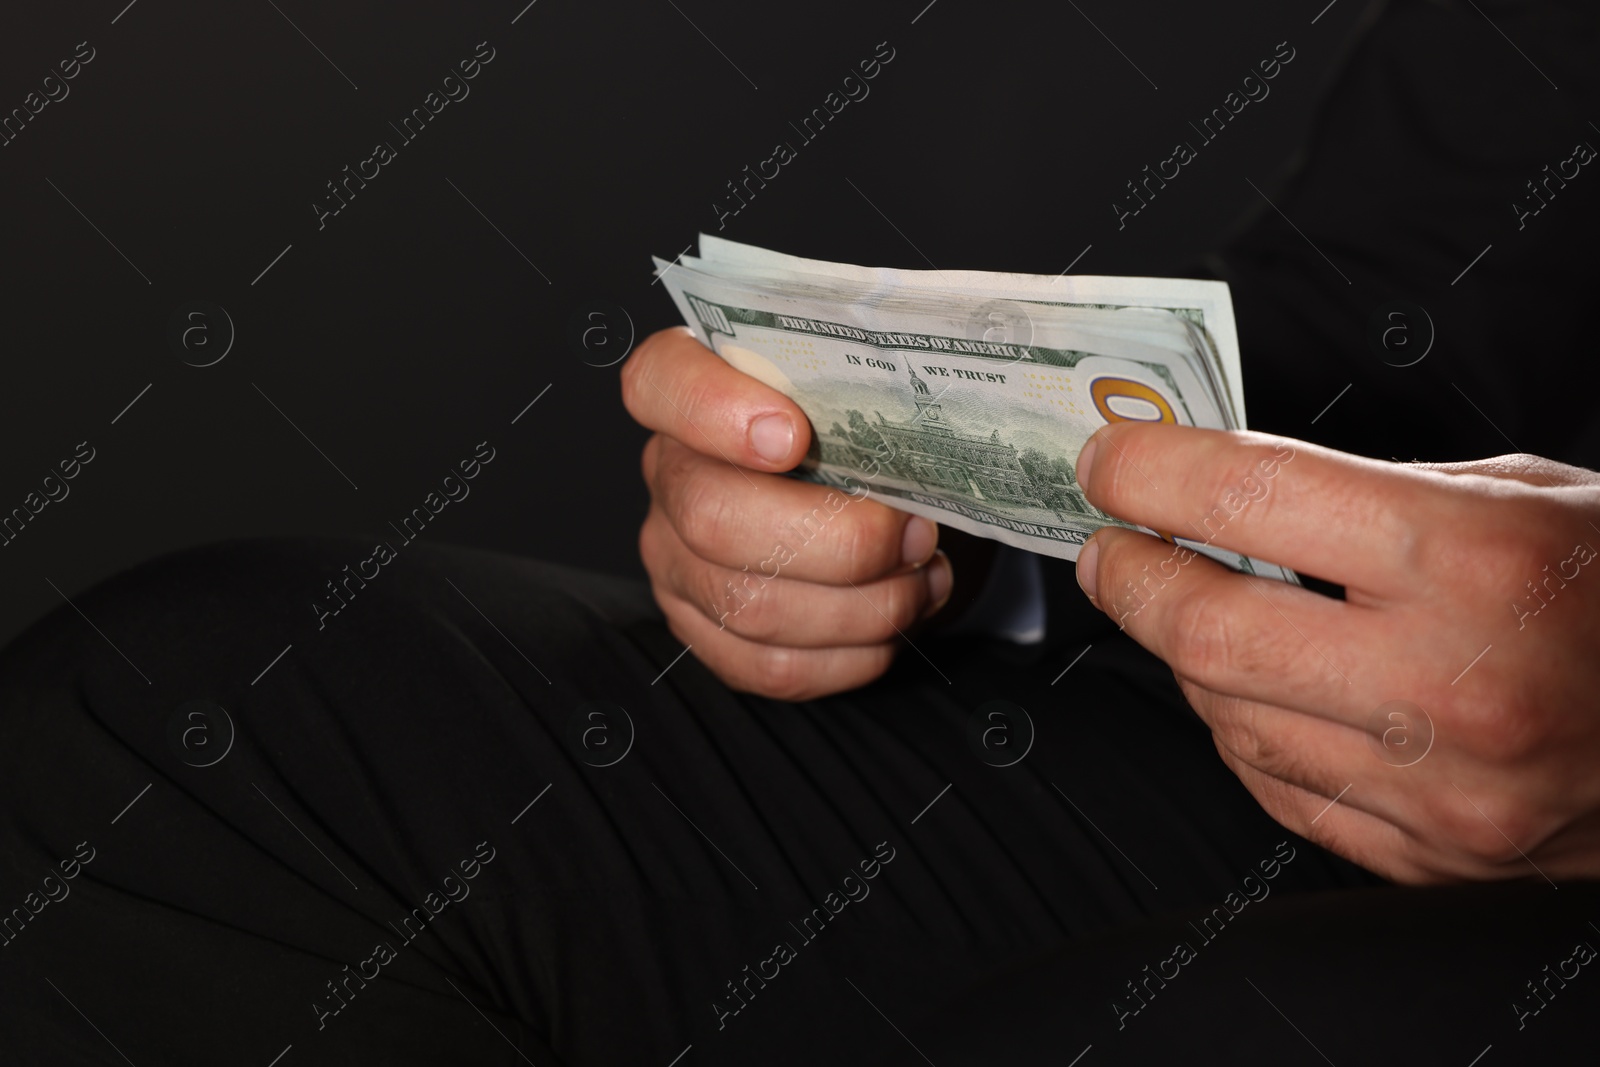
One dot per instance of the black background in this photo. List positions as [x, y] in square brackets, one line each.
[408, 329]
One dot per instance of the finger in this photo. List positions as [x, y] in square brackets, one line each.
[785, 611]
[1317, 755]
[1232, 633]
[676, 386]
[1358, 522]
[773, 524]
[776, 671]
[1321, 757]
[1447, 829]
[1358, 836]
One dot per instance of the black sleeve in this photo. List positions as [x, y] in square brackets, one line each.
[1416, 187]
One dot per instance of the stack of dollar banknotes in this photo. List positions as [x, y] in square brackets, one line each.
[965, 396]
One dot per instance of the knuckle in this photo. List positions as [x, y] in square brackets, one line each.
[634, 369]
[868, 539]
[1115, 461]
[888, 609]
[757, 613]
[1202, 646]
[1505, 560]
[712, 594]
[754, 622]
[668, 465]
[1511, 550]
[1127, 589]
[904, 600]
[1501, 727]
[650, 461]
[780, 672]
[660, 382]
[678, 615]
[701, 512]
[1239, 730]
[1493, 827]
[702, 401]
[1238, 488]
[722, 658]
[1415, 545]
[1324, 833]
[1220, 635]
[650, 546]
[1252, 740]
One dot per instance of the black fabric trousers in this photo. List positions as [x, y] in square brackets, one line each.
[489, 812]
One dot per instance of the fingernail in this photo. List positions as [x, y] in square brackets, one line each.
[772, 436]
[941, 579]
[1088, 556]
[1086, 460]
[919, 541]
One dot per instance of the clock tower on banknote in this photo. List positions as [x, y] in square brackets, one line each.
[928, 410]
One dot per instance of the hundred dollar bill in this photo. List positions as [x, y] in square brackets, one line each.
[1205, 306]
[965, 397]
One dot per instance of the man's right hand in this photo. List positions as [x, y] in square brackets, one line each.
[783, 588]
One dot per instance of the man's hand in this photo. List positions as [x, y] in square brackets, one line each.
[782, 587]
[1473, 596]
